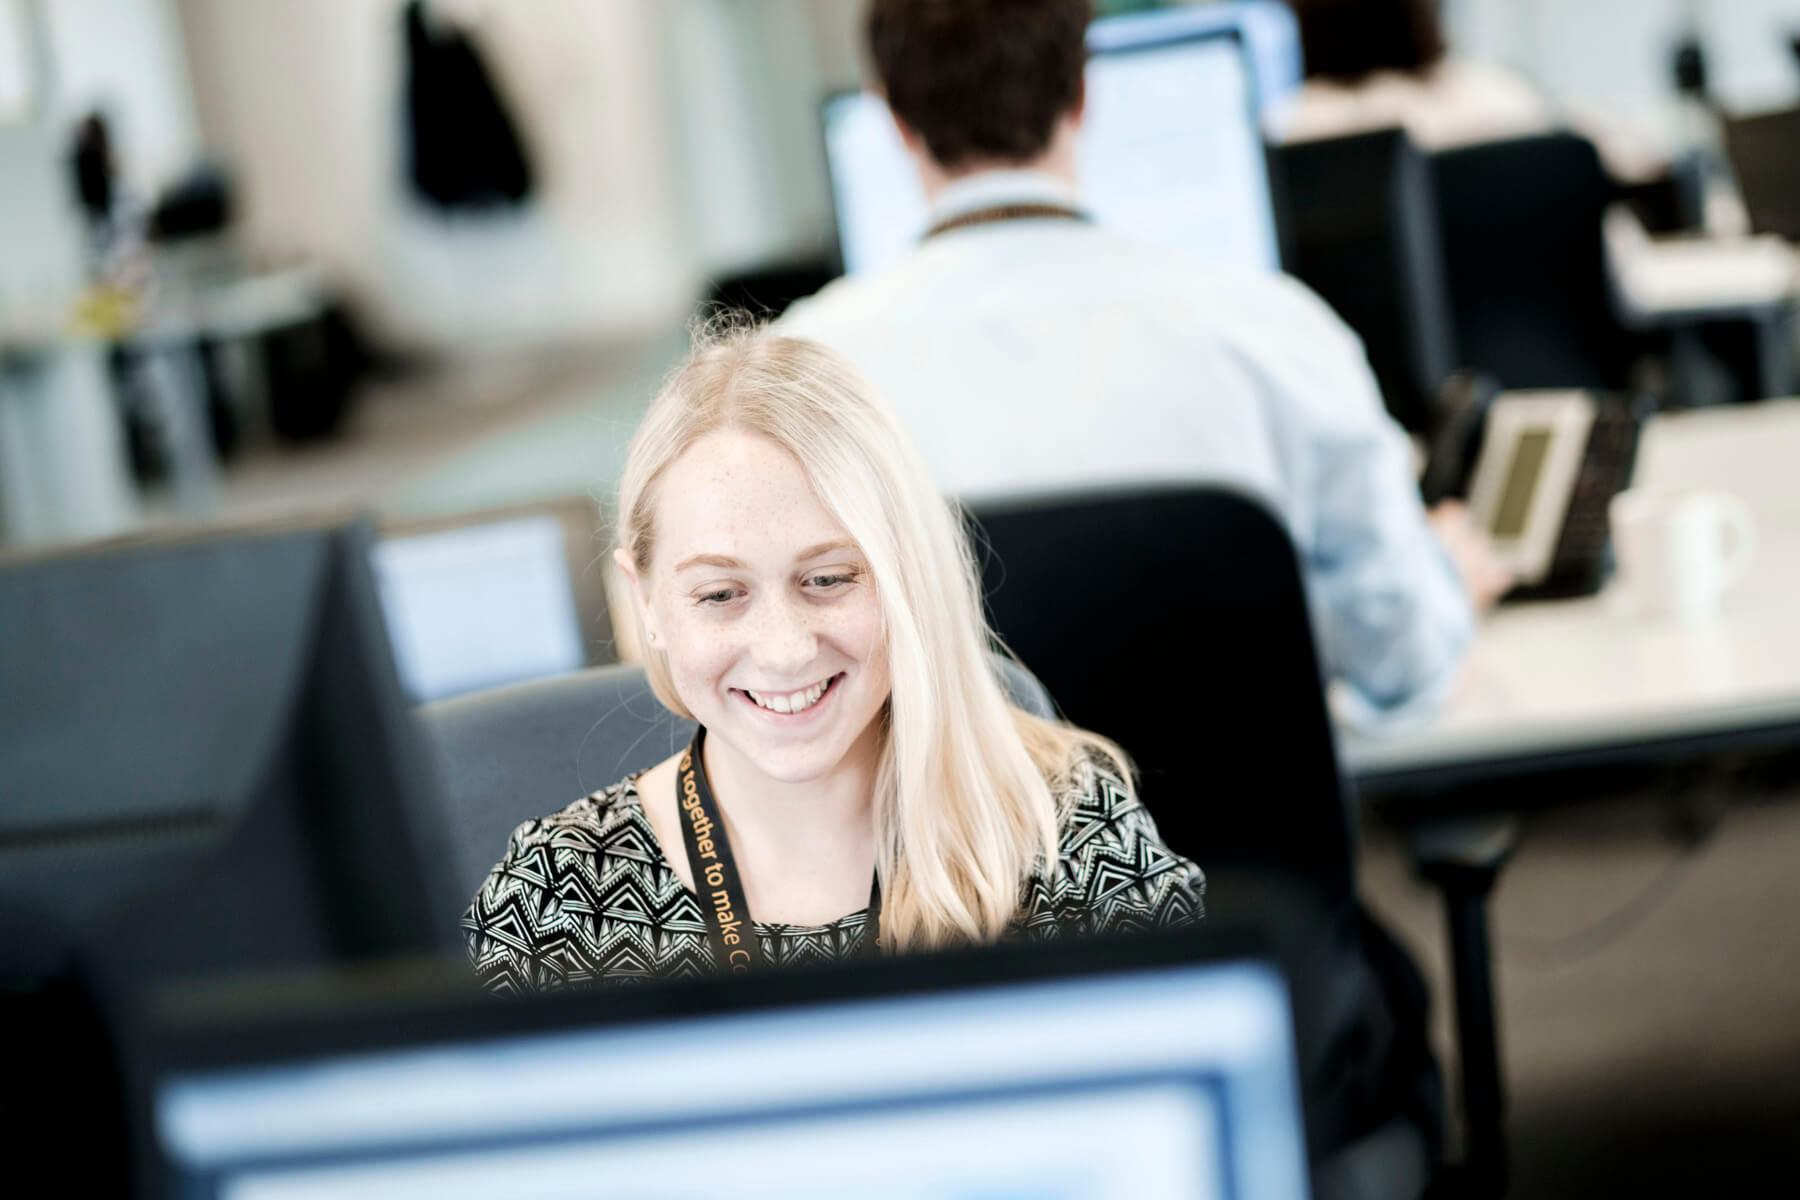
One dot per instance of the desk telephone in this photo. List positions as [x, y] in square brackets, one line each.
[1538, 470]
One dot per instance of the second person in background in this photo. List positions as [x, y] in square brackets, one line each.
[1028, 350]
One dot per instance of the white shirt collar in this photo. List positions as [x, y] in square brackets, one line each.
[988, 189]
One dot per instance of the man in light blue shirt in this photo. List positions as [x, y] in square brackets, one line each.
[1029, 350]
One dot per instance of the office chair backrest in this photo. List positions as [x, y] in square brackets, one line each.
[769, 290]
[1765, 154]
[1525, 257]
[529, 750]
[1362, 233]
[1173, 620]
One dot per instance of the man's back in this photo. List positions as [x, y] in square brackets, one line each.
[1045, 354]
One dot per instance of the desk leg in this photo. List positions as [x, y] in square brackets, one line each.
[177, 388]
[1697, 381]
[1464, 862]
[1774, 336]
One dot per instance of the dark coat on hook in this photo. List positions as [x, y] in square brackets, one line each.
[463, 149]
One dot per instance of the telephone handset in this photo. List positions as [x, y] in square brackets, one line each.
[1538, 470]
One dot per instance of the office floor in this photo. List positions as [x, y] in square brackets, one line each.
[1650, 1001]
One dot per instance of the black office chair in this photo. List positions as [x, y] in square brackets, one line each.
[1525, 256]
[1174, 620]
[531, 749]
[1362, 233]
[768, 290]
[1761, 147]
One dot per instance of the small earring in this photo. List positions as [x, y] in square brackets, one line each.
[653, 637]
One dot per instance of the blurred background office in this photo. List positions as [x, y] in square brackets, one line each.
[668, 146]
[428, 259]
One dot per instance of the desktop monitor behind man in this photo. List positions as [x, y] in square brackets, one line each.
[1171, 149]
[1028, 349]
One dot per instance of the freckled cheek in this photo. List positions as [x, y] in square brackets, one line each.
[856, 631]
[700, 655]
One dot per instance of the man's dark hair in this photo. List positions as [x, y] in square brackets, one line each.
[980, 80]
[1349, 40]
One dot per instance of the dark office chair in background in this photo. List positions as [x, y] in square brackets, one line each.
[529, 750]
[1765, 155]
[1363, 234]
[768, 290]
[1174, 620]
[1525, 257]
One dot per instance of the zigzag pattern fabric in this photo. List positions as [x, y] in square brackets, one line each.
[586, 896]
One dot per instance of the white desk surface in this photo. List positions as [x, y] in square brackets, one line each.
[1561, 676]
[1660, 279]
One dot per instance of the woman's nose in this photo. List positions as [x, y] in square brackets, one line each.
[785, 642]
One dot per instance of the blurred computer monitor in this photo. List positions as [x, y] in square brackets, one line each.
[484, 599]
[1172, 148]
[208, 763]
[1073, 1070]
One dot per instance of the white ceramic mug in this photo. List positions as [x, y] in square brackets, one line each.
[1679, 554]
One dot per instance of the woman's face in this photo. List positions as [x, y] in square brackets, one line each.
[764, 607]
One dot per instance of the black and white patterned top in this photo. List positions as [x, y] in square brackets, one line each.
[586, 895]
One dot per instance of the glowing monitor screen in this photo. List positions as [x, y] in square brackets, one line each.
[479, 606]
[1149, 1084]
[1171, 151]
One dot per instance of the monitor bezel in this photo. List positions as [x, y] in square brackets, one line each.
[288, 1020]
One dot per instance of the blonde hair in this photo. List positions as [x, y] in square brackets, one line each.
[965, 804]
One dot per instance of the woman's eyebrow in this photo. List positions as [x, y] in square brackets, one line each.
[709, 560]
[812, 552]
[726, 562]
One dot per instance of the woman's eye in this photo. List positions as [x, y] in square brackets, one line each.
[722, 596]
[828, 582]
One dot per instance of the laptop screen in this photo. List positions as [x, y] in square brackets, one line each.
[1164, 1082]
[1171, 149]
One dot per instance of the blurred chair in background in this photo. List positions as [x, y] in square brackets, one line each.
[768, 290]
[1525, 257]
[513, 754]
[1202, 666]
[1372, 64]
[1362, 225]
[1546, 293]
[1765, 155]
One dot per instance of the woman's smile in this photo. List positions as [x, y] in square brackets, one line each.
[800, 702]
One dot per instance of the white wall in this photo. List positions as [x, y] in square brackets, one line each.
[125, 58]
[748, 78]
[303, 99]
[1614, 55]
[15, 64]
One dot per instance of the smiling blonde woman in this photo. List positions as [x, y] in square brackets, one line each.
[860, 782]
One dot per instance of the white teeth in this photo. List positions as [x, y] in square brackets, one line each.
[790, 702]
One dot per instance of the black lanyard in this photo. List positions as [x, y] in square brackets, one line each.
[716, 880]
[1028, 211]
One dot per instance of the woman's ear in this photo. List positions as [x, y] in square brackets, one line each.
[640, 598]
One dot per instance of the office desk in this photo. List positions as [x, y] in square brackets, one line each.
[1681, 285]
[1564, 684]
